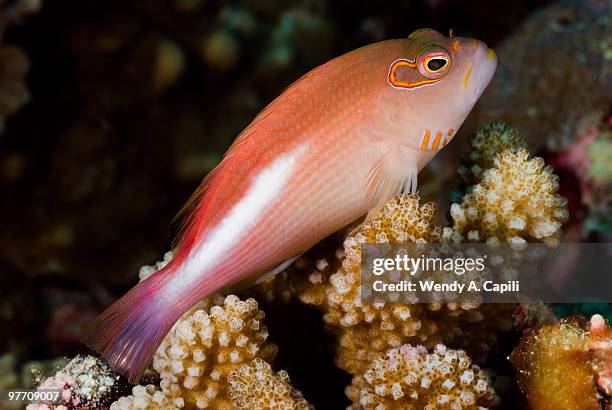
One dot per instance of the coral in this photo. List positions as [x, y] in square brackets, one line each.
[366, 330]
[84, 382]
[402, 220]
[600, 152]
[587, 161]
[527, 316]
[559, 365]
[515, 202]
[600, 345]
[485, 144]
[410, 378]
[146, 397]
[256, 386]
[200, 352]
[147, 270]
[526, 208]
[546, 102]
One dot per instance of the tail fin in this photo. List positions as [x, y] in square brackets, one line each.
[128, 333]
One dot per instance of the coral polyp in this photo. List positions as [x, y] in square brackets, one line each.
[197, 356]
[256, 386]
[410, 378]
[515, 201]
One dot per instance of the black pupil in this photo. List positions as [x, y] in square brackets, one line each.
[436, 64]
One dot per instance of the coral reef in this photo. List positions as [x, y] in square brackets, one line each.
[256, 386]
[364, 330]
[89, 167]
[410, 378]
[200, 352]
[547, 101]
[217, 354]
[560, 365]
[85, 382]
[514, 199]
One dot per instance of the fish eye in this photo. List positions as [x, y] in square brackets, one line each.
[434, 62]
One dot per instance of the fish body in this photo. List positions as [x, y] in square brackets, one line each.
[334, 146]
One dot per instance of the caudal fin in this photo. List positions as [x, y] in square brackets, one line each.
[128, 333]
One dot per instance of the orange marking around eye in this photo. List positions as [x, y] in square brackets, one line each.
[393, 68]
[425, 140]
[455, 45]
[392, 77]
[450, 132]
[436, 142]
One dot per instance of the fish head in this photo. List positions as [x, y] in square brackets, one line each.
[435, 81]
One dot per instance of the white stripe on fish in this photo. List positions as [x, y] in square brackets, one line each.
[263, 192]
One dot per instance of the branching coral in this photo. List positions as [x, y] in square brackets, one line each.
[488, 141]
[218, 359]
[402, 220]
[366, 330]
[513, 198]
[516, 201]
[200, 352]
[256, 386]
[85, 382]
[526, 208]
[410, 378]
[560, 365]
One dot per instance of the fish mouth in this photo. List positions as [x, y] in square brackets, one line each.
[486, 61]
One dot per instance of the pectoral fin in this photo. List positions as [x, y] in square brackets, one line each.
[392, 174]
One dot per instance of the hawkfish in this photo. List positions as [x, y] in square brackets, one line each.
[334, 146]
